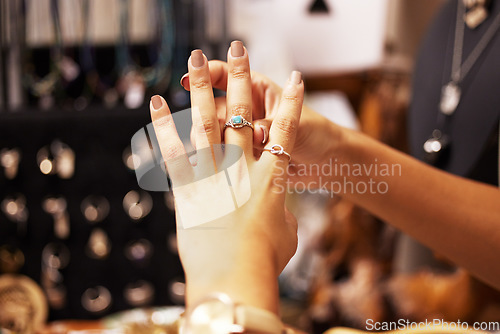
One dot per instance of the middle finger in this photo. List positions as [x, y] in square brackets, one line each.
[239, 98]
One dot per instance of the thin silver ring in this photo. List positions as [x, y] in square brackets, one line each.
[237, 122]
[278, 150]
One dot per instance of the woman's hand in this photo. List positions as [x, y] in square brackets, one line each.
[317, 138]
[234, 239]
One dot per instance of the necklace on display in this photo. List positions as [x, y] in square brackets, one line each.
[451, 92]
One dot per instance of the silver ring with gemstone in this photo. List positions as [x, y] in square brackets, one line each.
[237, 122]
[278, 150]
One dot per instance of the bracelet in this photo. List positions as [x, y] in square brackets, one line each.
[217, 313]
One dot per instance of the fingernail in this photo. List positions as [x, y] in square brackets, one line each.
[264, 130]
[237, 49]
[197, 59]
[184, 77]
[157, 102]
[296, 77]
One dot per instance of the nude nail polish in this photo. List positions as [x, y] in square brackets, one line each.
[295, 77]
[237, 49]
[197, 58]
[157, 102]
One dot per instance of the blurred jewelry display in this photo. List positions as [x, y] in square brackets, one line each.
[56, 206]
[9, 159]
[97, 299]
[139, 293]
[76, 72]
[134, 79]
[99, 245]
[437, 145]
[139, 251]
[11, 259]
[23, 308]
[58, 158]
[95, 208]
[147, 320]
[131, 160]
[137, 204]
[90, 240]
[14, 207]
[62, 69]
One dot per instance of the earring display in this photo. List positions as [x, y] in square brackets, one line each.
[14, 208]
[9, 159]
[58, 158]
[98, 246]
[55, 256]
[177, 290]
[132, 161]
[74, 219]
[57, 208]
[96, 300]
[139, 251]
[139, 293]
[72, 216]
[95, 208]
[137, 204]
[11, 259]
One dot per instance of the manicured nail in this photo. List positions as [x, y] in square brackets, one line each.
[197, 59]
[264, 130]
[296, 77]
[184, 77]
[237, 49]
[157, 102]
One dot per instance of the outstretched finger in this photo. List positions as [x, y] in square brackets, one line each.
[205, 123]
[171, 147]
[284, 127]
[239, 99]
[218, 75]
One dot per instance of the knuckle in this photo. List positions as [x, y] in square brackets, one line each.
[163, 123]
[208, 126]
[200, 83]
[286, 126]
[171, 152]
[240, 73]
[292, 99]
[240, 109]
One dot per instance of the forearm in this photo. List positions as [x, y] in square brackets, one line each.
[457, 217]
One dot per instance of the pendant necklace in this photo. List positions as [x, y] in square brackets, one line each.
[451, 92]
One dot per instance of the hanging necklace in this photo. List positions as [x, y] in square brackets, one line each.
[135, 79]
[451, 92]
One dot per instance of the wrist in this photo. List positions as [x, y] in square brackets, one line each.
[251, 280]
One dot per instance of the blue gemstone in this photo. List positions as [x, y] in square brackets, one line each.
[237, 120]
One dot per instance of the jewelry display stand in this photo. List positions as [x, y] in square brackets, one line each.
[74, 219]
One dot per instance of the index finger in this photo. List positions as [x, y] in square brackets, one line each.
[171, 147]
[218, 75]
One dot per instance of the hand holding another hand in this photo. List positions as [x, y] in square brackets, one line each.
[317, 138]
[239, 251]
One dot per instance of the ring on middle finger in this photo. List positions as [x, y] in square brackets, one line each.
[237, 122]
